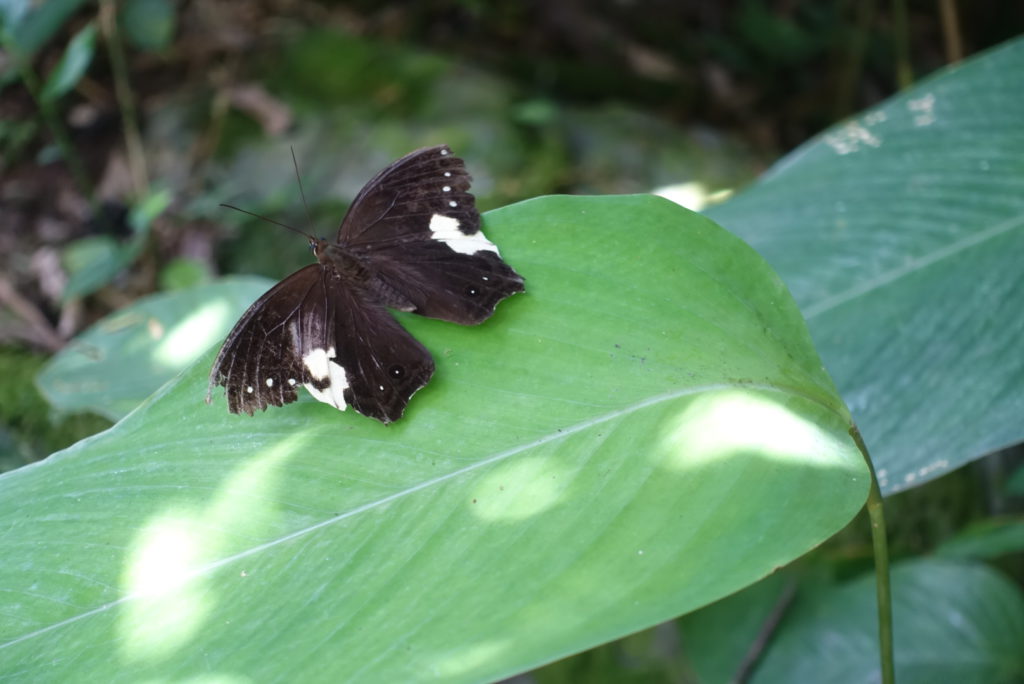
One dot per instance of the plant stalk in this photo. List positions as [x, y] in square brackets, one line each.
[951, 31]
[125, 101]
[901, 43]
[883, 589]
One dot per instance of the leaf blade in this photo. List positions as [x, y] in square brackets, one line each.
[72, 65]
[899, 234]
[575, 469]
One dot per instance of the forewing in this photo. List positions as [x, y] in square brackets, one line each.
[398, 203]
[416, 227]
[312, 330]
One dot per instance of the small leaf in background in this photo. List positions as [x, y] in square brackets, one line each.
[181, 273]
[986, 540]
[72, 64]
[114, 365]
[145, 210]
[28, 30]
[953, 622]
[91, 263]
[148, 24]
[12, 12]
[718, 637]
[141, 216]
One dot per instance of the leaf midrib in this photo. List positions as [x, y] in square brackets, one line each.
[913, 266]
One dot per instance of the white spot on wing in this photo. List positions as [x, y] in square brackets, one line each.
[316, 361]
[447, 174]
[447, 188]
[444, 153]
[249, 389]
[291, 381]
[334, 393]
[270, 382]
[446, 229]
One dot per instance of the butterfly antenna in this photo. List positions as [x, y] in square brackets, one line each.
[270, 220]
[298, 177]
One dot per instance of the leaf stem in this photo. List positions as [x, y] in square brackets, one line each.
[764, 635]
[901, 44]
[883, 589]
[123, 92]
[951, 31]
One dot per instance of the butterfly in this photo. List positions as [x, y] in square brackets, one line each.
[411, 241]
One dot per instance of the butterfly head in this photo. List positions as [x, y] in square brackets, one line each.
[318, 246]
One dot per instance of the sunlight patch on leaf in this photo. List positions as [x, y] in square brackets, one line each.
[167, 609]
[455, 665]
[166, 597]
[717, 425]
[520, 489]
[194, 334]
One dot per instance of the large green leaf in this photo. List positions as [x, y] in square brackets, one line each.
[955, 622]
[644, 431]
[901, 235]
[114, 365]
[721, 640]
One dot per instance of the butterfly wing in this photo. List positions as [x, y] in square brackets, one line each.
[416, 225]
[309, 330]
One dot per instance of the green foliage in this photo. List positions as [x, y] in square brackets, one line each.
[897, 233]
[93, 262]
[952, 619]
[650, 408]
[72, 65]
[148, 24]
[26, 27]
[1015, 485]
[114, 365]
[182, 273]
[377, 75]
[986, 540]
[14, 138]
[28, 431]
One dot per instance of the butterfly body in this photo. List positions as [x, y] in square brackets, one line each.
[411, 241]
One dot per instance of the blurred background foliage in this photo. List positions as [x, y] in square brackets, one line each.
[123, 126]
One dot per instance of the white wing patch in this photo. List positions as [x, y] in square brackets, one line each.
[320, 366]
[446, 229]
[316, 361]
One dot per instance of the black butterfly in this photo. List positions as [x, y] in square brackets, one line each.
[410, 241]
